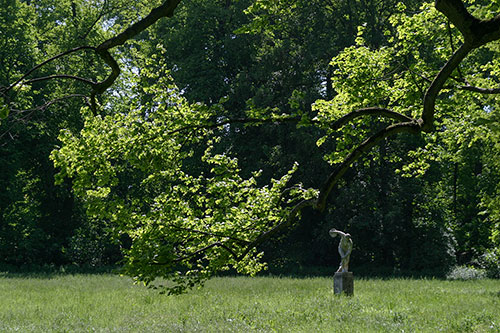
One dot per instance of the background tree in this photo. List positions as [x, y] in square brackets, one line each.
[153, 165]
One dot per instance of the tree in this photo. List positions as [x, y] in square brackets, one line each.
[130, 167]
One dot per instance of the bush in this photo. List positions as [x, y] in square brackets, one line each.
[490, 262]
[91, 246]
[466, 273]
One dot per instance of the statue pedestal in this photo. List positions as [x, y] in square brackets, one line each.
[343, 283]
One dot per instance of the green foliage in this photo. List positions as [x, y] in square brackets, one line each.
[179, 194]
[4, 110]
[129, 169]
[463, 148]
[490, 261]
[37, 219]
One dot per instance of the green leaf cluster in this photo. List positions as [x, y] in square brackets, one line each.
[129, 168]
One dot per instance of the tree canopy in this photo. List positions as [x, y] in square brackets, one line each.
[167, 115]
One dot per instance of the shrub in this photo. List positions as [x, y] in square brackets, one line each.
[490, 262]
[466, 273]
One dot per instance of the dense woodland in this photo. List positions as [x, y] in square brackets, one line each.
[224, 122]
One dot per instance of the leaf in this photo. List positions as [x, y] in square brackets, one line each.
[4, 111]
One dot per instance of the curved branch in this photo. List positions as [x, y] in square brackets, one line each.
[487, 91]
[427, 120]
[46, 62]
[102, 86]
[200, 251]
[61, 76]
[372, 111]
[333, 178]
[234, 121]
[165, 10]
[476, 32]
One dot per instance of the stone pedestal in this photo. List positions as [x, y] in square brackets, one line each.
[343, 283]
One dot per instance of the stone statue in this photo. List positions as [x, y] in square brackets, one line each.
[345, 249]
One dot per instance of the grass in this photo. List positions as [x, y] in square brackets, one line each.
[108, 303]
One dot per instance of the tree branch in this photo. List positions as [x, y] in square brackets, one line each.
[200, 251]
[372, 111]
[334, 177]
[234, 121]
[487, 91]
[427, 120]
[46, 62]
[40, 108]
[456, 12]
[102, 86]
[165, 10]
[278, 228]
[61, 76]
[476, 32]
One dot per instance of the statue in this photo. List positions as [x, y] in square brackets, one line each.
[345, 249]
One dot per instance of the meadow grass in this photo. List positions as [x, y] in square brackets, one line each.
[109, 303]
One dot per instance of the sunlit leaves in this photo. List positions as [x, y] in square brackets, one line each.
[185, 225]
[4, 111]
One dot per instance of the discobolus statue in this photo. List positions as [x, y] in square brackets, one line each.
[345, 248]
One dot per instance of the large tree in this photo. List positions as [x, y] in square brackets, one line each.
[130, 162]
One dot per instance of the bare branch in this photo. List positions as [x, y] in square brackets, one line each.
[56, 100]
[373, 111]
[200, 251]
[165, 10]
[427, 120]
[46, 62]
[254, 121]
[476, 32]
[487, 91]
[61, 76]
[334, 177]
[41, 108]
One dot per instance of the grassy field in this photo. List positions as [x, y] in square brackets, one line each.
[108, 303]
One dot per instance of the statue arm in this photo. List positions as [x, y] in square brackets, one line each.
[334, 232]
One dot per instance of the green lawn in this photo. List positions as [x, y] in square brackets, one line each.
[108, 303]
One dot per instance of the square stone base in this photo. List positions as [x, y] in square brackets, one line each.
[343, 283]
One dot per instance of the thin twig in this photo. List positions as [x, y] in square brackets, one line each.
[61, 76]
